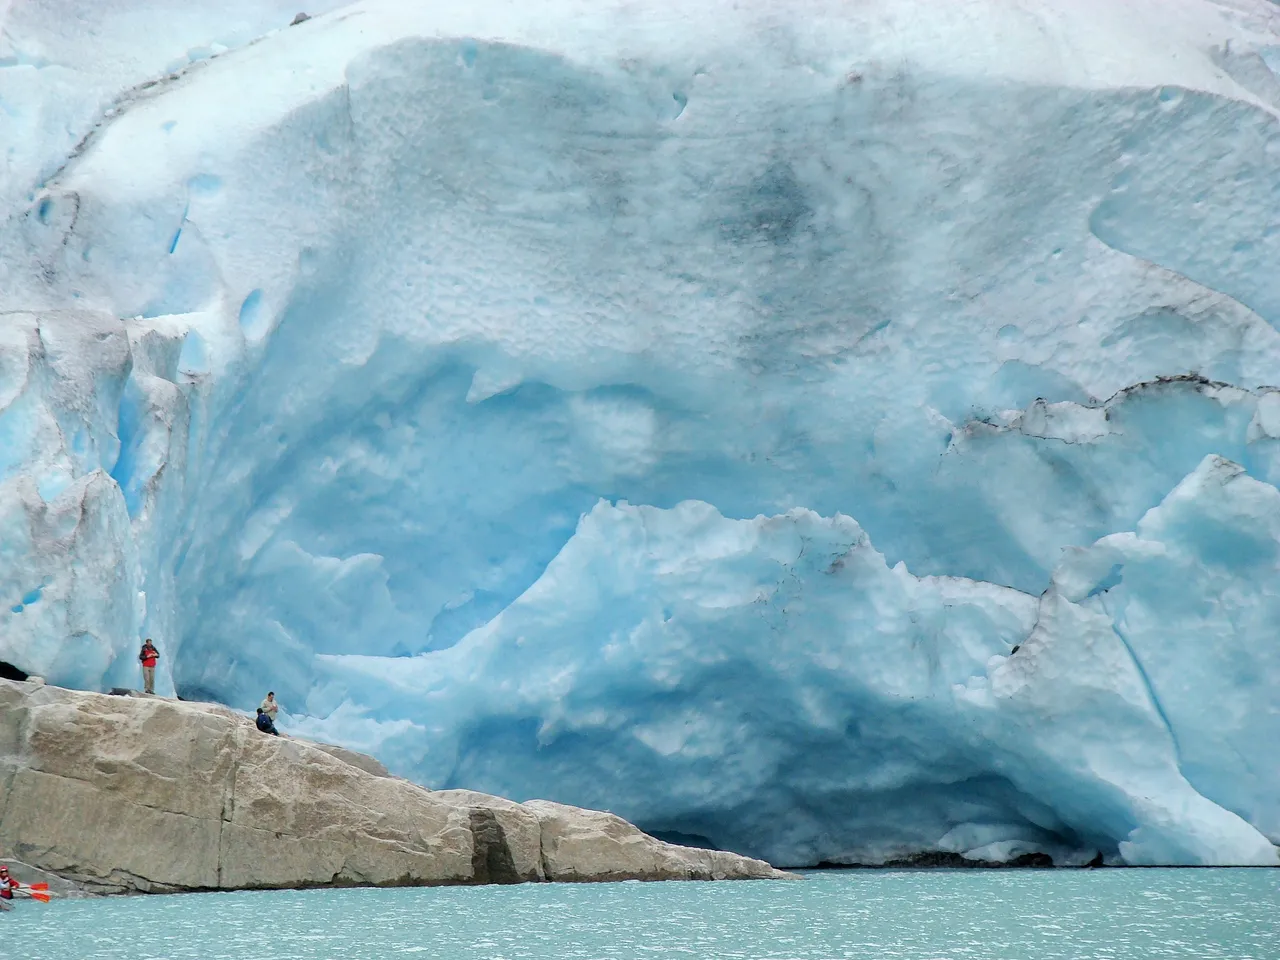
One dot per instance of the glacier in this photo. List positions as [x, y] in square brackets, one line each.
[836, 433]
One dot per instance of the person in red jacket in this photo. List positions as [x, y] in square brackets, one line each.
[148, 657]
[7, 883]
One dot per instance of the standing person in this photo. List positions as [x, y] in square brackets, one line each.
[148, 656]
[270, 707]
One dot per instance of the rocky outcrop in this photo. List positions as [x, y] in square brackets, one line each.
[123, 794]
[588, 845]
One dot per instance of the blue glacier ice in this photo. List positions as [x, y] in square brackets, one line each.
[831, 432]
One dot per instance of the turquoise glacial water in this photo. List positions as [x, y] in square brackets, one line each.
[929, 915]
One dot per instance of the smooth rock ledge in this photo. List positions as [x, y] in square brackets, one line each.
[129, 794]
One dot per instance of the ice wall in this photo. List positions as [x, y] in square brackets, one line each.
[430, 366]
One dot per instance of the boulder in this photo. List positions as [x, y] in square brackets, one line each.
[584, 845]
[129, 794]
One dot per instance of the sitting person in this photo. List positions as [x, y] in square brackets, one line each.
[7, 883]
[264, 723]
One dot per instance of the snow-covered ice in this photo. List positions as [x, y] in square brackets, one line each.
[684, 409]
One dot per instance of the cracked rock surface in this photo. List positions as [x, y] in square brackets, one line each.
[124, 794]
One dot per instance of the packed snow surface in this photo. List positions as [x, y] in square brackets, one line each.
[835, 432]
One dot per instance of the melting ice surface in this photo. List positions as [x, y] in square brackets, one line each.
[683, 409]
[964, 915]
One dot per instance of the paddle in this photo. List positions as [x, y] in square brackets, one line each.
[42, 895]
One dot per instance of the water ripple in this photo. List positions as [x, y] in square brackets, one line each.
[839, 915]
